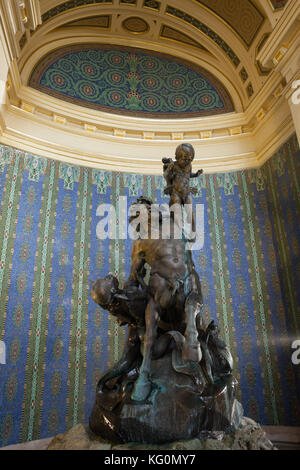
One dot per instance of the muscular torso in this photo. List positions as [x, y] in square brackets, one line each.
[165, 257]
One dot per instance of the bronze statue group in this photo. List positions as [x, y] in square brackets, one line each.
[170, 359]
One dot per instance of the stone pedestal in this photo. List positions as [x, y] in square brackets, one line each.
[248, 436]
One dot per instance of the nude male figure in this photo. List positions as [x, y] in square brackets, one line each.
[175, 297]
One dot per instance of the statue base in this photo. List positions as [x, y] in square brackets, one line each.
[182, 405]
[248, 436]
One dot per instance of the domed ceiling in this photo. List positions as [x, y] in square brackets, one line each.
[242, 15]
[126, 73]
[211, 43]
[130, 81]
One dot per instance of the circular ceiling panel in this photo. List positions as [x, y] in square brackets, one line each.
[135, 25]
[130, 81]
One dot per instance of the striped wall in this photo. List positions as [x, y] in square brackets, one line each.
[59, 342]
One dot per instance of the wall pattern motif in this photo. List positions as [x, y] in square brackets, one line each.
[59, 342]
[130, 80]
[242, 15]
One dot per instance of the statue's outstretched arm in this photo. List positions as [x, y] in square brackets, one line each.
[195, 175]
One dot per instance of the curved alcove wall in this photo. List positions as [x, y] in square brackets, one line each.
[64, 152]
[59, 341]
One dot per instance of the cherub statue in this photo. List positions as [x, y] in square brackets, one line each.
[177, 175]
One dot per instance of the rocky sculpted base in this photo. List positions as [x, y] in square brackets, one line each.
[248, 436]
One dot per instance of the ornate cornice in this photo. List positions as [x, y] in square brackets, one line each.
[50, 127]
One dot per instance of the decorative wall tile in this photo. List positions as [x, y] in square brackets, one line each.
[130, 81]
[59, 341]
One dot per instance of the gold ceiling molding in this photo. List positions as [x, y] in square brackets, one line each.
[278, 4]
[67, 131]
[128, 2]
[141, 21]
[170, 33]
[89, 146]
[136, 25]
[247, 138]
[102, 21]
[130, 21]
[65, 7]
[62, 7]
[261, 43]
[200, 26]
[261, 70]
[241, 15]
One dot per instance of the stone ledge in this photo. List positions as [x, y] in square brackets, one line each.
[249, 436]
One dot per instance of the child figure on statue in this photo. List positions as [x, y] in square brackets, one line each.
[177, 175]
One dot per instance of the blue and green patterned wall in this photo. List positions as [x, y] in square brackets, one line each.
[59, 342]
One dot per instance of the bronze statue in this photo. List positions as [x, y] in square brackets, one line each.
[177, 175]
[174, 295]
[174, 379]
[128, 305]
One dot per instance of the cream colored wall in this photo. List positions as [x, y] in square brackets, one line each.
[295, 108]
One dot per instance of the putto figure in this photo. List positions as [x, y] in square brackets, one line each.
[177, 175]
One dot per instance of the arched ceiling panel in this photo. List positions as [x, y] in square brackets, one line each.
[192, 20]
[241, 15]
[130, 81]
[223, 34]
[104, 21]
[176, 35]
[70, 4]
[100, 21]
[213, 21]
[154, 5]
